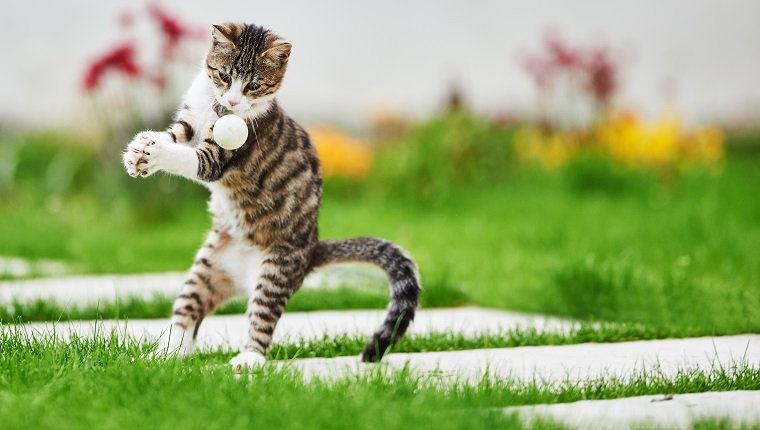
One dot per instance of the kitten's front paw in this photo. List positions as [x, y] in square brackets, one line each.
[143, 154]
[176, 342]
[247, 360]
[172, 350]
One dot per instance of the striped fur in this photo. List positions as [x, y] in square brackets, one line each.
[402, 274]
[265, 198]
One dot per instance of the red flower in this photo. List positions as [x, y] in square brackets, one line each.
[601, 75]
[159, 80]
[126, 18]
[538, 68]
[121, 59]
[595, 68]
[560, 54]
[172, 29]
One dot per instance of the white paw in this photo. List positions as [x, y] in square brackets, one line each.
[247, 360]
[160, 354]
[144, 154]
[175, 342]
[171, 351]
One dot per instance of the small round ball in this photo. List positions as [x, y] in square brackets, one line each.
[230, 132]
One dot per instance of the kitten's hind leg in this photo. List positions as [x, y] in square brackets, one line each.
[280, 276]
[208, 285]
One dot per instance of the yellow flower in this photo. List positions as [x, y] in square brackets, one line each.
[626, 137]
[707, 144]
[341, 154]
[550, 149]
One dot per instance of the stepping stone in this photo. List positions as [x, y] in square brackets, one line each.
[681, 411]
[555, 364]
[91, 289]
[229, 331]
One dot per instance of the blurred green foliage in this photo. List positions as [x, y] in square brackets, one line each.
[47, 168]
[595, 173]
[436, 157]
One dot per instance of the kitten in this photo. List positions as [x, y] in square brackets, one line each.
[265, 197]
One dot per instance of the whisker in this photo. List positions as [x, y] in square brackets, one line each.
[255, 124]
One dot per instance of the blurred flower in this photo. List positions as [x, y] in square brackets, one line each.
[561, 54]
[570, 76]
[600, 75]
[622, 135]
[625, 138]
[123, 57]
[120, 59]
[172, 29]
[388, 124]
[549, 148]
[145, 95]
[126, 18]
[341, 154]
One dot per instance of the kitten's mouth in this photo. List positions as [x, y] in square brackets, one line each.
[246, 108]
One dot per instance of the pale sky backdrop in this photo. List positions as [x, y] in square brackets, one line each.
[351, 57]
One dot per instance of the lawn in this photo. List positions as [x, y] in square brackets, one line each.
[634, 254]
[103, 381]
[588, 241]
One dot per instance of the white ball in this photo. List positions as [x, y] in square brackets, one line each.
[230, 132]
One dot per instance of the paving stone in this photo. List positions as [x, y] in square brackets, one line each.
[230, 330]
[681, 411]
[552, 364]
[91, 289]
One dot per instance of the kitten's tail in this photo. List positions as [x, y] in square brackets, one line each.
[402, 274]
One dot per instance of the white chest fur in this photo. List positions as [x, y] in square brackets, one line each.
[240, 259]
[221, 206]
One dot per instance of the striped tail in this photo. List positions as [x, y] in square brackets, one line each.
[402, 274]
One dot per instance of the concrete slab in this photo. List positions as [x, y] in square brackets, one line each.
[91, 289]
[551, 364]
[16, 267]
[230, 330]
[682, 411]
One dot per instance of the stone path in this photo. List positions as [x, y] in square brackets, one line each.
[557, 364]
[681, 411]
[91, 289]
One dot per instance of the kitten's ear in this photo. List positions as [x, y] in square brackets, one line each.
[226, 33]
[279, 50]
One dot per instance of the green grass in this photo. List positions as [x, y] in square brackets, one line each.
[104, 382]
[588, 241]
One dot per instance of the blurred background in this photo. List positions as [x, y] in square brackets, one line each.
[351, 60]
[592, 159]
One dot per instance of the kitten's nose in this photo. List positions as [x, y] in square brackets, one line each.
[233, 102]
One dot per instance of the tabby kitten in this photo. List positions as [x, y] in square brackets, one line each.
[265, 197]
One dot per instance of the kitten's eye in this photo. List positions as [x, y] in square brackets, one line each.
[252, 86]
[225, 78]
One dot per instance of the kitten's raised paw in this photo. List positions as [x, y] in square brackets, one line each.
[247, 360]
[144, 152]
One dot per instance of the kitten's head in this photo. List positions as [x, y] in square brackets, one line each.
[246, 63]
